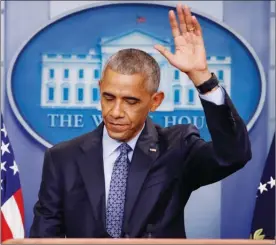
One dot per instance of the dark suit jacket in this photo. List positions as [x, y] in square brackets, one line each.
[72, 193]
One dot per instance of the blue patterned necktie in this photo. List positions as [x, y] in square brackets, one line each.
[117, 193]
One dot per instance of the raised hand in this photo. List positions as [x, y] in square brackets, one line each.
[190, 55]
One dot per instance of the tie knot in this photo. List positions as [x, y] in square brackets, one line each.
[125, 148]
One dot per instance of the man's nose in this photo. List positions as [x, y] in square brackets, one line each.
[117, 110]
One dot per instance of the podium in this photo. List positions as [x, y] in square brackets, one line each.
[138, 241]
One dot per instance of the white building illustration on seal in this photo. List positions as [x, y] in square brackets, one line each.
[71, 80]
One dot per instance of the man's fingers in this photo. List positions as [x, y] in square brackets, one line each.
[188, 18]
[168, 55]
[174, 24]
[196, 24]
[180, 14]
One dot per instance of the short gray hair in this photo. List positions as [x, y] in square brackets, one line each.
[133, 61]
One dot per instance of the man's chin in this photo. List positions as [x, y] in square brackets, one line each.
[120, 136]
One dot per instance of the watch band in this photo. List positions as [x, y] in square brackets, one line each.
[208, 85]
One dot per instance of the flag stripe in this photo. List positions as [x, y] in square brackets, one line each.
[5, 230]
[19, 200]
[12, 216]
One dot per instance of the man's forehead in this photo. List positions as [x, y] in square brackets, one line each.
[135, 90]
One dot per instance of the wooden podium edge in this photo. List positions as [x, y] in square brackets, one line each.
[135, 241]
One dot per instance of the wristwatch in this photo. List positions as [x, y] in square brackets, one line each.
[208, 85]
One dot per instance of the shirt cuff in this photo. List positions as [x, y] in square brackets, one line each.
[217, 96]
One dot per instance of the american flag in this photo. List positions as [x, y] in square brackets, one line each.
[12, 210]
[140, 19]
[263, 223]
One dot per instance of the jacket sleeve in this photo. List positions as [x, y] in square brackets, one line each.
[229, 150]
[48, 214]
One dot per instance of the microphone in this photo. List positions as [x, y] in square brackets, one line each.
[149, 230]
[126, 231]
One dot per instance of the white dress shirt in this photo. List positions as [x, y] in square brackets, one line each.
[110, 146]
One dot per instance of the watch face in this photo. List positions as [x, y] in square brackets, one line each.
[208, 85]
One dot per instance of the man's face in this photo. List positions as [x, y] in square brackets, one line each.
[125, 104]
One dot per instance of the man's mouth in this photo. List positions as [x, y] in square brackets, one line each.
[117, 127]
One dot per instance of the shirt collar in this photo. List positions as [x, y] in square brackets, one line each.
[110, 145]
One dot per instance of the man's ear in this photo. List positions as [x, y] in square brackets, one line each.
[157, 99]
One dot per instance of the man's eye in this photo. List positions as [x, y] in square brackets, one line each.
[108, 97]
[132, 102]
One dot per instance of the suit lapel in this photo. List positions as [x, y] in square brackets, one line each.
[91, 168]
[145, 153]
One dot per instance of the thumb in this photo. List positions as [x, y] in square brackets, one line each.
[166, 53]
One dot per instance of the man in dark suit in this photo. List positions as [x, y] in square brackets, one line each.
[129, 177]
